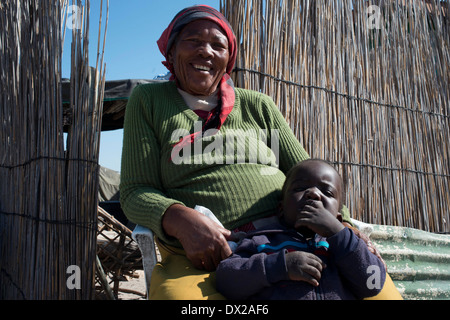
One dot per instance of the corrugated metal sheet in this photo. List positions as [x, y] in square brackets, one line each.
[417, 261]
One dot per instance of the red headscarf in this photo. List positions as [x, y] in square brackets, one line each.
[168, 38]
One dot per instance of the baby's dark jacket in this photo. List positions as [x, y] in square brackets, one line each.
[257, 269]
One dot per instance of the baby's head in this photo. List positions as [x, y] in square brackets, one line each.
[311, 180]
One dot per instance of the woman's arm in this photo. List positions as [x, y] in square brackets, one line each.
[142, 194]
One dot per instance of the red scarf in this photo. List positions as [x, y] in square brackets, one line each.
[227, 95]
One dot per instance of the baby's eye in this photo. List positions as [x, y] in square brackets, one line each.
[329, 193]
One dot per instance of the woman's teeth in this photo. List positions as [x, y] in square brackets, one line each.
[203, 68]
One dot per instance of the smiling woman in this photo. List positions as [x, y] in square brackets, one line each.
[200, 57]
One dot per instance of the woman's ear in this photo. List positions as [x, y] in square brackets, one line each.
[170, 58]
[339, 217]
[170, 55]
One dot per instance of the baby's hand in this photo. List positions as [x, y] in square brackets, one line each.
[317, 218]
[304, 266]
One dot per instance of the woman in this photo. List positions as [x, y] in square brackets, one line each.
[191, 141]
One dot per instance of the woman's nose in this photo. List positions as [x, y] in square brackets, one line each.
[313, 193]
[205, 50]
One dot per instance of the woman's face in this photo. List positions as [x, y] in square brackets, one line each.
[200, 57]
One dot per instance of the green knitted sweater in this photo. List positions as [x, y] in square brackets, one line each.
[236, 172]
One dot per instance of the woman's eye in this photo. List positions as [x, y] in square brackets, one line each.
[191, 40]
[219, 45]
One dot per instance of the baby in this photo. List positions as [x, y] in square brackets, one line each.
[309, 254]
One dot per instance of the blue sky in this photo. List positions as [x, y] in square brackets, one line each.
[131, 52]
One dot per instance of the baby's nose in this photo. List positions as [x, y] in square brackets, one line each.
[313, 193]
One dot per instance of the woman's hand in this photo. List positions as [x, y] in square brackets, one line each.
[204, 241]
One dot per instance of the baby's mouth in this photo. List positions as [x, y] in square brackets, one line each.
[304, 231]
[304, 203]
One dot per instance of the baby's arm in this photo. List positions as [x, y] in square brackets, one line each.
[364, 272]
[248, 271]
[241, 276]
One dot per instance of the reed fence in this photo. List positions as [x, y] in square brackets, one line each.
[48, 192]
[365, 85]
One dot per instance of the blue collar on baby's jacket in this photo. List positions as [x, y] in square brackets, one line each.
[317, 243]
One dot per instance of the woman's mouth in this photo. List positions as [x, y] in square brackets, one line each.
[201, 67]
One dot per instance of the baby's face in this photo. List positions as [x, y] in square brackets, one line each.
[312, 181]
